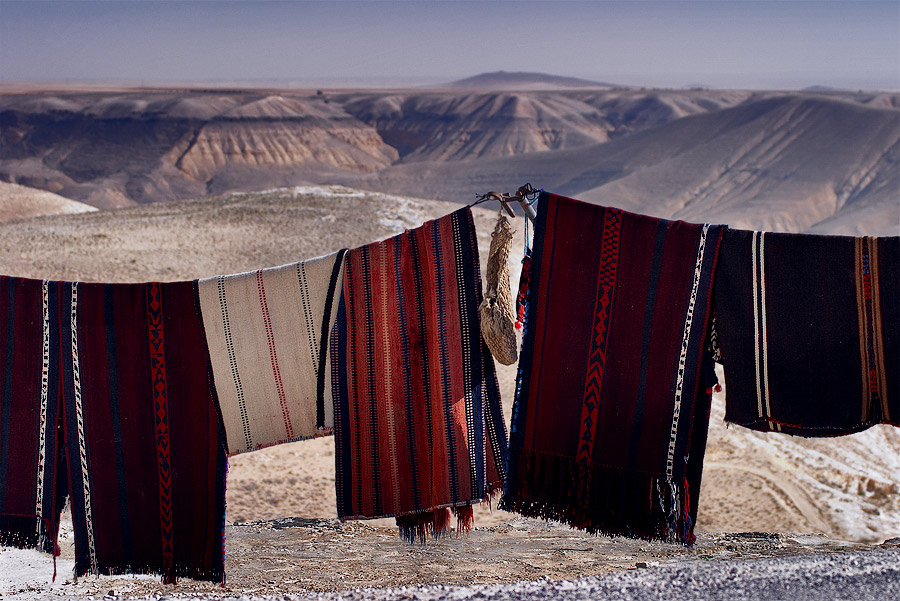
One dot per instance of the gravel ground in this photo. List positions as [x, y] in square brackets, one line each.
[866, 575]
[294, 558]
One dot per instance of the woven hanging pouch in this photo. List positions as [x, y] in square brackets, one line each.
[496, 311]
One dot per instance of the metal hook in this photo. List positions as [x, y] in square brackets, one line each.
[522, 196]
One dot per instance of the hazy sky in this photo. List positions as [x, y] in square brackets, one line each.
[853, 44]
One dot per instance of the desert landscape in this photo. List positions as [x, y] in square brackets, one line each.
[124, 185]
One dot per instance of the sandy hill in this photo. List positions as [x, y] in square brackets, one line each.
[846, 487]
[797, 160]
[523, 80]
[21, 202]
[112, 150]
[782, 163]
[445, 127]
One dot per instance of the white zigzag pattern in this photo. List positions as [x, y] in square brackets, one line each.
[682, 359]
[45, 382]
[79, 416]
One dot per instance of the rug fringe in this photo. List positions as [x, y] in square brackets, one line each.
[417, 527]
[465, 519]
[600, 499]
[168, 575]
[27, 532]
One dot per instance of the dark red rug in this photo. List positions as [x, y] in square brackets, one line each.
[612, 404]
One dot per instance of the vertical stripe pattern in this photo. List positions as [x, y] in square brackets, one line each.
[45, 390]
[683, 355]
[273, 355]
[79, 417]
[267, 332]
[596, 359]
[809, 331]
[232, 363]
[758, 252]
[413, 382]
[159, 381]
[868, 297]
[611, 409]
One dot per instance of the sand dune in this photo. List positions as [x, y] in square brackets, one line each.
[22, 202]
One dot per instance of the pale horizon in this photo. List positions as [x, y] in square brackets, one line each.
[713, 44]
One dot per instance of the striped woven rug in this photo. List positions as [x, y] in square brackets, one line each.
[612, 403]
[31, 491]
[418, 422]
[146, 453]
[108, 398]
[267, 333]
[808, 328]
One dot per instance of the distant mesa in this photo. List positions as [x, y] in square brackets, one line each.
[523, 80]
[819, 88]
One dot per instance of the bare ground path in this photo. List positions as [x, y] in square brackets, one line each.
[294, 556]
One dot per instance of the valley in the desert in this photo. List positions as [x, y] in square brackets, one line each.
[148, 184]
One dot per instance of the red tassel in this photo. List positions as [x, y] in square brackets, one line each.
[718, 387]
[441, 523]
[465, 519]
[524, 286]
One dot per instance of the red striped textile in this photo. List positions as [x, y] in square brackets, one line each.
[145, 453]
[612, 403]
[809, 331]
[418, 422]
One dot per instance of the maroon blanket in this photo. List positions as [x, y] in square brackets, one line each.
[612, 406]
[809, 331]
[145, 450]
[32, 479]
[418, 422]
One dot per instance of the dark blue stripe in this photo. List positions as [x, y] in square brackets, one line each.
[357, 481]
[446, 396]
[7, 390]
[370, 368]
[421, 341]
[113, 370]
[407, 377]
[342, 413]
[638, 423]
[76, 490]
[469, 297]
[526, 357]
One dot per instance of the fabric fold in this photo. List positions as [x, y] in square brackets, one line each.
[418, 421]
[267, 332]
[808, 329]
[612, 402]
